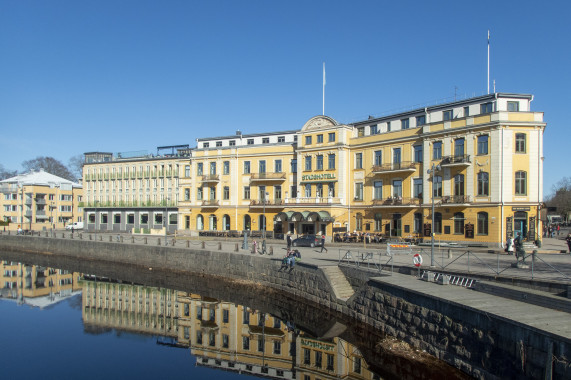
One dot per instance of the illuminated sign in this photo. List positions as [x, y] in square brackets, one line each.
[317, 177]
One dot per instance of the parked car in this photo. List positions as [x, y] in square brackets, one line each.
[307, 241]
[75, 226]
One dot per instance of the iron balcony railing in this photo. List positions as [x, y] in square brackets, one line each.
[267, 203]
[210, 178]
[463, 159]
[267, 176]
[456, 199]
[397, 166]
[396, 201]
[210, 203]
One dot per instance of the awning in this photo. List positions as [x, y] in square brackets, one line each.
[320, 215]
[283, 216]
[297, 217]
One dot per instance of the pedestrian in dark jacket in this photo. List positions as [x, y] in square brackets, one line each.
[323, 243]
[569, 241]
[288, 239]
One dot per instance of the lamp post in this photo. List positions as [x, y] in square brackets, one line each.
[165, 219]
[431, 171]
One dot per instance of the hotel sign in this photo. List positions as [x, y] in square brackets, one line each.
[317, 177]
[317, 344]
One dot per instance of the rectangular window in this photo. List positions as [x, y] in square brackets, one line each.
[277, 166]
[225, 316]
[277, 347]
[359, 191]
[378, 190]
[226, 193]
[261, 344]
[374, 129]
[358, 160]
[483, 184]
[397, 188]
[250, 141]
[319, 162]
[378, 158]
[187, 171]
[246, 192]
[513, 106]
[232, 142]
[306, 356]
[307, 163]
[417, 187]
[459, 184]
[213, 168]
[294, 165]
[307, 140]
[199, 193]
[404, 123]
[437, 186]
[226, 168]
[520, 143]
[213, 192]
[417, 153]
[218, 143]
[246, 343]
[486, 108]
[459, 147]
[360, 131]
[281, 139]
[265, 140]
[437, 150]
[388, 126]
[307, 190]
[225, 340]
[420, 120]
[396, 156]
[331, 163]
[205, 145]
[330, 362]
[483, 144]
[262, 166]
[466, 111]
[447, 115]
[277, 193]
[320, 139]
[246, 167]
[318, 359]
[331, 136]
[199, 169]
[520, 183]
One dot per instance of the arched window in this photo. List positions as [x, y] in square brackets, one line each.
[226, 222]
[437, 223]
[247, 222]
[213, 222]
[521, 183]
[482, 223]
[459, 223]
[483, 184]
[262, 222]
[199, 222]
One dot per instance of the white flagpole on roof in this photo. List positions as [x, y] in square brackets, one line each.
[323, 89]
[488, 61]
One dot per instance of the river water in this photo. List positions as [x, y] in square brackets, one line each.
[68, 318]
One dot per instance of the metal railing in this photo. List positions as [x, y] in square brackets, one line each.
[404, 165]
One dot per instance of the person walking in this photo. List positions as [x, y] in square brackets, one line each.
[288, 239]
[569, 241]
[510, 246]
[323, 244]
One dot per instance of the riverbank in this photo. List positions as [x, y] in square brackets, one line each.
[483, 335]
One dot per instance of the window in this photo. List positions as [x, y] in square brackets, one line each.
[318, 359]
[359, 221]
[357, 365]
[378, 222]
[306, 356]
[331, 161]
[417, 187]
[187, 171]
[213, 192]
[378, 158]
[246, 192]
[359, 191]
[319, 162]
[459, 223]
[360, 131]
[199, 337]
[459, 147]
[262, 167]
[331, 136]
[307, 190]
[226, 193]
[378, 190]
[261, 344]
[218, 143]
[397, 188]
[482, 223]
[199, 193]
[417, 153]
[520, 183]
[466, 111]
[225, 340]
[520, 143]
[281, 139]
[437, 150]
[404, 123]
[483, 144]
[246, 167]
[330, 362]
[447, 115]
[265, 140]
[278, 166]
[320, 139]
[308, 163]
[205, 145]
[307, 140]
[374, 129]
[331, 189]
[250, 141]
[437, 223]
[187, 194]
[294, 165]
[199, 169]
[213, 168]
[421, 120]
[358, 160]
[232, 142]
[417, 227]
[277, 347]
[486, 107]
[437, 186]
[225, 316]
[226, 167]
[388, 126]
[246, 317]
[459, 184]
[396, 156]
[246, 343]
[513, 106]
[483, 184]
[277, 193]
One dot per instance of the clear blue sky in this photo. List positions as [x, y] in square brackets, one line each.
[126, 75]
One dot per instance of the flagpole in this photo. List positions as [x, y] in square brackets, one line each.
[323, 89]
[488, 61]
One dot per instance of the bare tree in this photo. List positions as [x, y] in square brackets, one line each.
[561, 196]
[6, 173]
[50, 165]
[75, 165]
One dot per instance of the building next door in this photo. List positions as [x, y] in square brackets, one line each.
[520, 223]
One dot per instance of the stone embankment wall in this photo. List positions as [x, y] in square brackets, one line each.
[481, 345]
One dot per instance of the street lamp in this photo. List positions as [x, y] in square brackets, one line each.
[431, 172]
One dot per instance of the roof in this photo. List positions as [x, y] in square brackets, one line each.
[39, 178]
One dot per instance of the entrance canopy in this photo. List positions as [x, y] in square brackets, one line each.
[304, 216]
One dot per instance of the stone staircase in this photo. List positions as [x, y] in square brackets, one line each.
[341, 287]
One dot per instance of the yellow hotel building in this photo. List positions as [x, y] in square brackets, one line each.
[479, 160]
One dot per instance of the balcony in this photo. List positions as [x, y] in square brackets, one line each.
[210, 178]
[459, 160]
[396, 201]
[8, 188]
[210, 203]
[41, 201]
[267, 203]
[399, 167]
[456, 199]
[267, 177]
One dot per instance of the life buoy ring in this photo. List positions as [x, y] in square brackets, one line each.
[417, 260]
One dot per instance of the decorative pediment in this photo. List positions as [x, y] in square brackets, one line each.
[319, 122]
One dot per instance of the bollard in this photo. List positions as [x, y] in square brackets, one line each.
[236, 248]
[158, 241]
[449, 254]
[121, 239]
[145, 239]
[187, 243]
[173, 241]
[80, 236]
[90, 237]
[219, 246]
[271, 250]
[63, 234]
[203, 245]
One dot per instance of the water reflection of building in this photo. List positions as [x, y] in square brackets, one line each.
[36, 285]
[220, 334]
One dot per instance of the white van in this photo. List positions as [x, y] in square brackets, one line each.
[75, 226]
